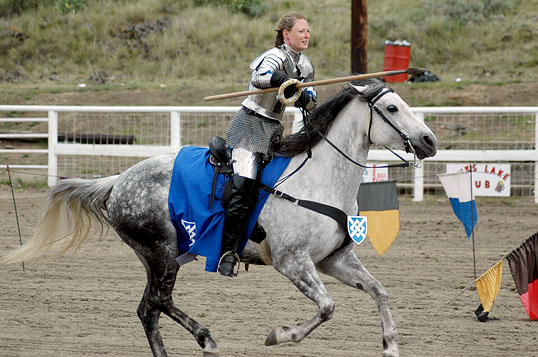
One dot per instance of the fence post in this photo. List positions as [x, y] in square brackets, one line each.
[175, 129]
[53, 140]
[297, 121]
[418, 184]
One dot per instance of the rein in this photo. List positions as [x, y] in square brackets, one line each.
[408, 146]
[371, 103]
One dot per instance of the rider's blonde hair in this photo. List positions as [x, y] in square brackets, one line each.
[286, 23]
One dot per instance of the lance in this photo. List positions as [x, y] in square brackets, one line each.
[411, 70]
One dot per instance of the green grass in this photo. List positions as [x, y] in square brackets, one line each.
[143, 42]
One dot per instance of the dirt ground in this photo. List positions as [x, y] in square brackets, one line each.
[85, 304]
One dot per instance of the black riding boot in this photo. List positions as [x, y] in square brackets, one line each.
[241, 202]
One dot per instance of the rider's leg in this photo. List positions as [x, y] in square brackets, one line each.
[238, 208]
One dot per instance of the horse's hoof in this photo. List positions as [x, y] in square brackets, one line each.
[271, 339]
[211, 350]
[278, 335]
[390, 354]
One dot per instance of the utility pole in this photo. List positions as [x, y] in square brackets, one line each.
[359, 36]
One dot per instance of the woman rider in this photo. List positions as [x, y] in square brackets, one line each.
[255, 131]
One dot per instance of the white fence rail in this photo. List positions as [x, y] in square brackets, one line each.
[88, 141]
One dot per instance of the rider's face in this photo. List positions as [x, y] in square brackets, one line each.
[297, 38]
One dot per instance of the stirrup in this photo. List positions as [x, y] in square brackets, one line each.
[224, 263]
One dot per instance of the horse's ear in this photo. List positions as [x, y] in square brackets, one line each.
[359, 89]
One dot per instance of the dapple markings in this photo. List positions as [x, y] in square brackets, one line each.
[302, 243]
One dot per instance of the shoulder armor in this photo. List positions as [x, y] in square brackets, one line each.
[306, 67]
[275, 51]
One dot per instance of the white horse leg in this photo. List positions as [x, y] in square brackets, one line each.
[302, 272]
[346, 267]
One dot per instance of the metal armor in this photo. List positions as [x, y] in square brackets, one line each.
[245, 163]
[282, 58]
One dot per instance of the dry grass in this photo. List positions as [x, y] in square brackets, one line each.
[156, 41]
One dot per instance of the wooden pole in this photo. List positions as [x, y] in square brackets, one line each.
[318, 83]
[359, 36]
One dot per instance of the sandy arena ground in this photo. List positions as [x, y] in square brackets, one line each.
[85, 305]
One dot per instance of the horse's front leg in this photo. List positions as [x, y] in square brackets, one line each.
[346, 267]
[302, 272]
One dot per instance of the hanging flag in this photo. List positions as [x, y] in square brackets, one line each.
[524, 268]
[378, 201]
[488, 285]
[459, 190]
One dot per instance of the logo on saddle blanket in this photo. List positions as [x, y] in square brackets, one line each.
[190, 227]
[357, 227]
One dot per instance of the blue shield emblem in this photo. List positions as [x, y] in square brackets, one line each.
[357, 227]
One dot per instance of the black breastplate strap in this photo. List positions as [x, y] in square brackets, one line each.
[337, 214]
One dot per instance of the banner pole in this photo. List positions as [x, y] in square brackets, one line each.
[472, 220]
[15, 208]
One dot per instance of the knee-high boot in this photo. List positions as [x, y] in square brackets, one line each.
[239, 206]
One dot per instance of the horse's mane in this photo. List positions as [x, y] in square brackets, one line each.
[323, 115]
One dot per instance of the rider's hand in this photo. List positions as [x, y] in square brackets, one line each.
[278, 78]
[303, 100]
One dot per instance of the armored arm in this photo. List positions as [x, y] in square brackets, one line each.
[267, 66]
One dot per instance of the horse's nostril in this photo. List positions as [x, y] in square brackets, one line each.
[428, 141]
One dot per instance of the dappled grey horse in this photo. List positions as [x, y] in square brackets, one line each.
[301, 242]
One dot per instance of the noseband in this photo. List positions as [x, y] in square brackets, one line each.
[371, 103]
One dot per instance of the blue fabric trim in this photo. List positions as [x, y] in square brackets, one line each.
[188, 200]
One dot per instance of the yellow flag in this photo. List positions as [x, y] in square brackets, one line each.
[488, 285]
[379, 202]
[383, 227]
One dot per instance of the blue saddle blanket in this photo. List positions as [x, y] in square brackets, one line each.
[199, 229]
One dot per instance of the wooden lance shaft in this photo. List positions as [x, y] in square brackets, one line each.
[412, 71]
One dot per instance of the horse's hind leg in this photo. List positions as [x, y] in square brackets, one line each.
[302, 272]
[161, 273]
[346, 267]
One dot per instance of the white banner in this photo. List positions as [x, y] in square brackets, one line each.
[491, 179]
[374, 173]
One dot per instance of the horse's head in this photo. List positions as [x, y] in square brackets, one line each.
[393, 124]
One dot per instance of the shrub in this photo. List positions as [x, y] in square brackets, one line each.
[16, 7]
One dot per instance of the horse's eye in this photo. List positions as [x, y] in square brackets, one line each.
[392, 108]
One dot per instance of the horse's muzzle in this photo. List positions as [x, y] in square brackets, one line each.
[427, 147]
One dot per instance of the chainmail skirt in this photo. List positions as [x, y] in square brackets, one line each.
[253, 132]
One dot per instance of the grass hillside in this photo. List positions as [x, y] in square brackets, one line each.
[178, 47]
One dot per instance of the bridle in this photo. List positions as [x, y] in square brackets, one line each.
[371, 103]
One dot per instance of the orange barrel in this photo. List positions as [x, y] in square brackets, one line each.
[397, 56]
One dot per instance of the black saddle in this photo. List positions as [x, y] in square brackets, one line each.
[220, 154]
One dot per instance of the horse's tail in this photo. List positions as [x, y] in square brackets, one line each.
[66, 217]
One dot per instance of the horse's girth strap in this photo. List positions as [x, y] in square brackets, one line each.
[335, 213]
